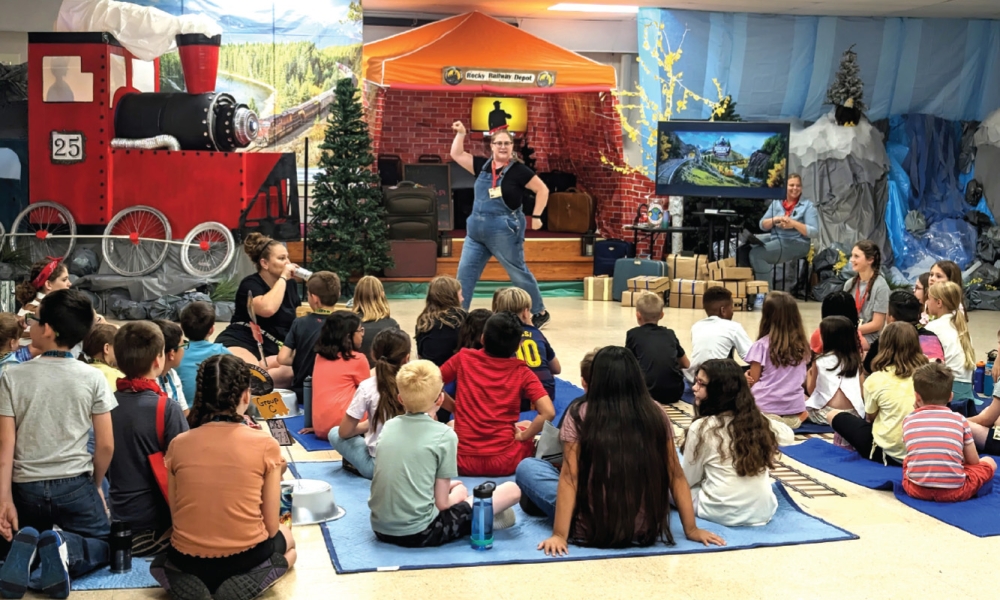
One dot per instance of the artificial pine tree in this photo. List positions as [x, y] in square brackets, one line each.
[728, 112]
[348, 234]
[847, 91]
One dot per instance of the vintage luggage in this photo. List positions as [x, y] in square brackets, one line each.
[390, 169]
[412, 212]
[558, 181]
[413, 258]
[607, 252]
[627, 268]
[571, 212]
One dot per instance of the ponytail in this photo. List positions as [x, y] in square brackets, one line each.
[390, 349]
[961, 325]
[950, 295]
[872, 253]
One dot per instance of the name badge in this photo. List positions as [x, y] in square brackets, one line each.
[495, 192]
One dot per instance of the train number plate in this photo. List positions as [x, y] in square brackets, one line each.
[67, 147]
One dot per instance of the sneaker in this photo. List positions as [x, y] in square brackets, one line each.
[541, 319]
[179, 585]
[504, 519]
[16, 570]
[349, 467]
[247, 586]
[55, 564]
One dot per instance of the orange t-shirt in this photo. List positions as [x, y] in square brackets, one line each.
[218, 471]
[334, 383]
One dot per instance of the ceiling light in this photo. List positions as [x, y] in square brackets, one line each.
[595, 8]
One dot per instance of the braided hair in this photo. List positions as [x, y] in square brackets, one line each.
[222, 381]
[874, 254]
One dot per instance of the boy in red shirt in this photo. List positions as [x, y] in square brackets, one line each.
[491, 384]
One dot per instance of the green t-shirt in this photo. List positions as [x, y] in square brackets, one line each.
[414, 450]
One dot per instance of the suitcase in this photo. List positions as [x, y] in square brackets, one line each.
[390, 169]
[411, 212]
[558, 181]
[413, 258]
[627, 268]
[571, 212]
[606, 252]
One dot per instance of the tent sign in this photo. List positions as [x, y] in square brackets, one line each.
[472, 76]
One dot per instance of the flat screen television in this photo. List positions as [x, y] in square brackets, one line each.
[491, 112]
[722, 159]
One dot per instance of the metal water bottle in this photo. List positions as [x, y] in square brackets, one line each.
[121, 547]
[978, 376]
[307, 402]
[482, 516]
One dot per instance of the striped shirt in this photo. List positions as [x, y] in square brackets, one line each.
[935, 439]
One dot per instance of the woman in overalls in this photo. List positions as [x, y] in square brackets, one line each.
[497, 224]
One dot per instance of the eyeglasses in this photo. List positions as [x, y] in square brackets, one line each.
[183, 345]
[700, 383]
[360, 330]
[32, 317]
[503, 144]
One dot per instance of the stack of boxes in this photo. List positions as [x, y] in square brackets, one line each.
[644, 283]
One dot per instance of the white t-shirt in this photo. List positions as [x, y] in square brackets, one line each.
[365, 400]
[954, 356]
[828, 382]
[722, 496]
[715, 338]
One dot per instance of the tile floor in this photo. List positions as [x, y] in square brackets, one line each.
[901, 553]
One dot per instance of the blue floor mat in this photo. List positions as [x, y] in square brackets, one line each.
[104, 579]
[354, 548]
[810, 427]
[307, 440]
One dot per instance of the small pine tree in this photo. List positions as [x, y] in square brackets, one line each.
[847, 82]
[728, 111]
[348, 234]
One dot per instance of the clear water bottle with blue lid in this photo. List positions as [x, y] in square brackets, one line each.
[482, 516]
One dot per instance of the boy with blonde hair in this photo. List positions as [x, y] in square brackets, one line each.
[414, 502]
[658, 350]
[535, 349]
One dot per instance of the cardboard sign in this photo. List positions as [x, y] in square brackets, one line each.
[270, 406]
[280, 432]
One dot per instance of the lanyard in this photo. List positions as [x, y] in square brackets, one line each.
[57, 354]
[496, 177]
[858, 301]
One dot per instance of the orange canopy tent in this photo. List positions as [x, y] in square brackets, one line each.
[475, 52]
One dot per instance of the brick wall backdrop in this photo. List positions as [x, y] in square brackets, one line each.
[567, 131]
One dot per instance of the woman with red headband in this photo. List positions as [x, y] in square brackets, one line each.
[46, 276]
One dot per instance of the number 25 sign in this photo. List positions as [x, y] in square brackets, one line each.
[67, 147]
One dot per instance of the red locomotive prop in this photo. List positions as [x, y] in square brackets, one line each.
[115, 159]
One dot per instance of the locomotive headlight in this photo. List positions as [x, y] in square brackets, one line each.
[246, 127]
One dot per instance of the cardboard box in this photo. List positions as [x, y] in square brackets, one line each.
[757, 287]
[597, 288]
[649, 283]
[687, 267]
[686, 301]
[725, 262]
[629, 297]
[738, 288]
[733, 274]
[692, 287]
[739, 304]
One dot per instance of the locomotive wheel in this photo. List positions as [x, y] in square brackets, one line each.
[46, 230]
[136, 241]
[207, 249]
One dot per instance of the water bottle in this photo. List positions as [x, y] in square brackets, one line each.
[307, 402]
[978, 376]
[482, 516]
[121, 547]
[988, 379]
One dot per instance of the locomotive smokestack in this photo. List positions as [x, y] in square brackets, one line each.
[199, 61]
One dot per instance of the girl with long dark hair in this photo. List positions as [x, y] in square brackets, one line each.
[339, 370]
[730, 448]
[870, 291]
[834, 380]
[377, 397]
[619, 469]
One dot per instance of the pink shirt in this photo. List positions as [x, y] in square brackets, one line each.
[779, 391]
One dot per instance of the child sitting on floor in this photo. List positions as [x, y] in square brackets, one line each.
[657, 349]
[225, 496]
[837, 304]
[340, 368]
[730, 448]
[299, 350]
[372, 306]
[136, 497]
[888, 398]
[716, 336]
[47, 407]
[470, 335]
[414, 502]
[905, 306]
[779, 360]
[535, 349]
[376, 397]
[99, 352]
[492, 382]
[952, 328]
[45, 277]
[834, 379]
[173, 353]
[197, 324]
[10, 339]
[439, 323]
[941, 463]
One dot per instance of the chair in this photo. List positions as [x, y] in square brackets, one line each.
[801, 265]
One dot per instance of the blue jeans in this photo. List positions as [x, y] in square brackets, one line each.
[355, 451]
[539, 481]
[495, 230]
[74, 506]
[776, 250]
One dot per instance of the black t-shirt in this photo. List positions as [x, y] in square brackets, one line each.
[277, 325]
[135, 495]
[439, 344]
[373, 328]
[511, 184]
[658, 350]
[302, 338]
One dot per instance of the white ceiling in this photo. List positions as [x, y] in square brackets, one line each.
[538, 9]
